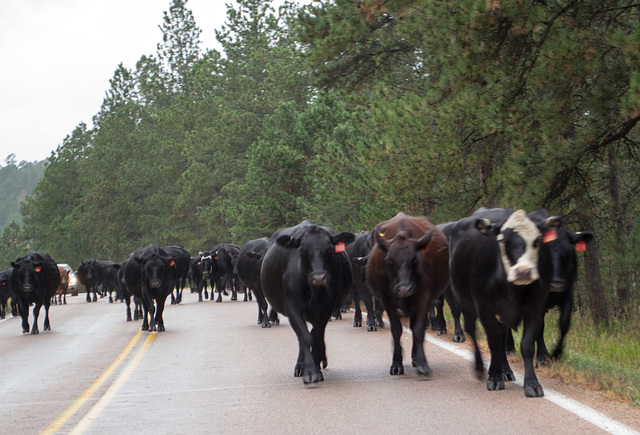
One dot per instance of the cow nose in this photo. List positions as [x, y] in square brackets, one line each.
[557, 286]
[26, 288]
[318, 279]
[155, 284]
[523, 274]
[403, 290]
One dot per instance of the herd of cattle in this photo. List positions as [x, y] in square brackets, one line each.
[499, 266]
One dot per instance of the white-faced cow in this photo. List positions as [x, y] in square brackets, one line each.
[407, 270]
[149, 274]
[34, 280]
[305, 276]
[496, 277]
[247, 268]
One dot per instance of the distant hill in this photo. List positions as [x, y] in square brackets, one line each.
[17, 180]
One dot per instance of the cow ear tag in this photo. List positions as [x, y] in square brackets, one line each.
[340, 247]
[549, 236]
[581, 246]
[38, 269]
[172, 263]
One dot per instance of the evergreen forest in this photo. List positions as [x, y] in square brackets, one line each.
[346, 112]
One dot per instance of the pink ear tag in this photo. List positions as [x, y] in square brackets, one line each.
[581, 246]
[38, 269]
[340, 247]
[172, 263]
[549, 236]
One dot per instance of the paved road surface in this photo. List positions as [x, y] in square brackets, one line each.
[215, 371]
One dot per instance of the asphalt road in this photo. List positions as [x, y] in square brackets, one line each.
[214, 370]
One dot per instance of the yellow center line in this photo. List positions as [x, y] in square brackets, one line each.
[97, 409]
[89, 392]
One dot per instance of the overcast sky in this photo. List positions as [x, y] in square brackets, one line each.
[57, 57]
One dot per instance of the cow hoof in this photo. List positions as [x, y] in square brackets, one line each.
[313, 378]
[297, 371]
[458, 338]
[25, 331]
[35, 332]
[396, 370]
[371, 328]
[495, 385]
[357, 324]
[266, 325]
[508, 375]
[424, 370]
[533, 390]
[47, 328]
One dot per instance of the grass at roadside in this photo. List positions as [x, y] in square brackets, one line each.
[606, 359]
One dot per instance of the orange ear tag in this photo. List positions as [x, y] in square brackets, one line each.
[549, 236]
[581, 246]
[38, 269]
[340, 247]
[172, 263]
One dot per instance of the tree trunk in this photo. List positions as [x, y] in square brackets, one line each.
[597, 301]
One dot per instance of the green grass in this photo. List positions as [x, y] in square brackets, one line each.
[607, 359]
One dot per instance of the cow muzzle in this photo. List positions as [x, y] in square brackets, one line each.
[403, 290]
[557, 286]
[26, 288]
[318, 279]
[524, 275]
[155, 284]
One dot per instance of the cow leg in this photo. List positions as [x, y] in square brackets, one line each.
[64, 298]
[357, 317]
[470, 328]
[319, 348]
[510, 345]
[47, 325]
[127, 301]
[263, 306]
[24, 313]
[273, 317]
[564, 323]
[95, 294]
[2, 309]
[456, 312]
[396, 333]
[88, 295]
[542, 354]
[159, 320]
[379, 309]
[496, 338]
[36, 313]
[418, 326]
[305, 365]
[530, 331]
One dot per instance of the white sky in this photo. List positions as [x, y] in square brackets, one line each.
[57, 56]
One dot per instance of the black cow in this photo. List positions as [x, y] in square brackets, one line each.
[562, 246]
[222, 269]
[182, 259]
[149, 274]
[198, 283]
[94, 273]
[305, 276]
[126, 294]
[495, 275]
[6, 293]
[34, 280]
[360, 248]
[407, 270]
[247, 268]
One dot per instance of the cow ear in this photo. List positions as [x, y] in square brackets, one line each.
[585, 236]
[553, 223]
[15, 265]
[424, 241]
[345, 237]
[288, 242]
[483, 225]
[380, 241]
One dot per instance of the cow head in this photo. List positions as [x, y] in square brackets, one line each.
[159, 269]
[206, 261]
[318, 249]
[519, 241]
[401, 259]
[28, 273]
[562, 246]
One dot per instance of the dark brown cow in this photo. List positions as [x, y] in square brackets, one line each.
[61, 293]
[408, 268]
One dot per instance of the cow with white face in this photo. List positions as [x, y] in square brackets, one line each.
[497, 277]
